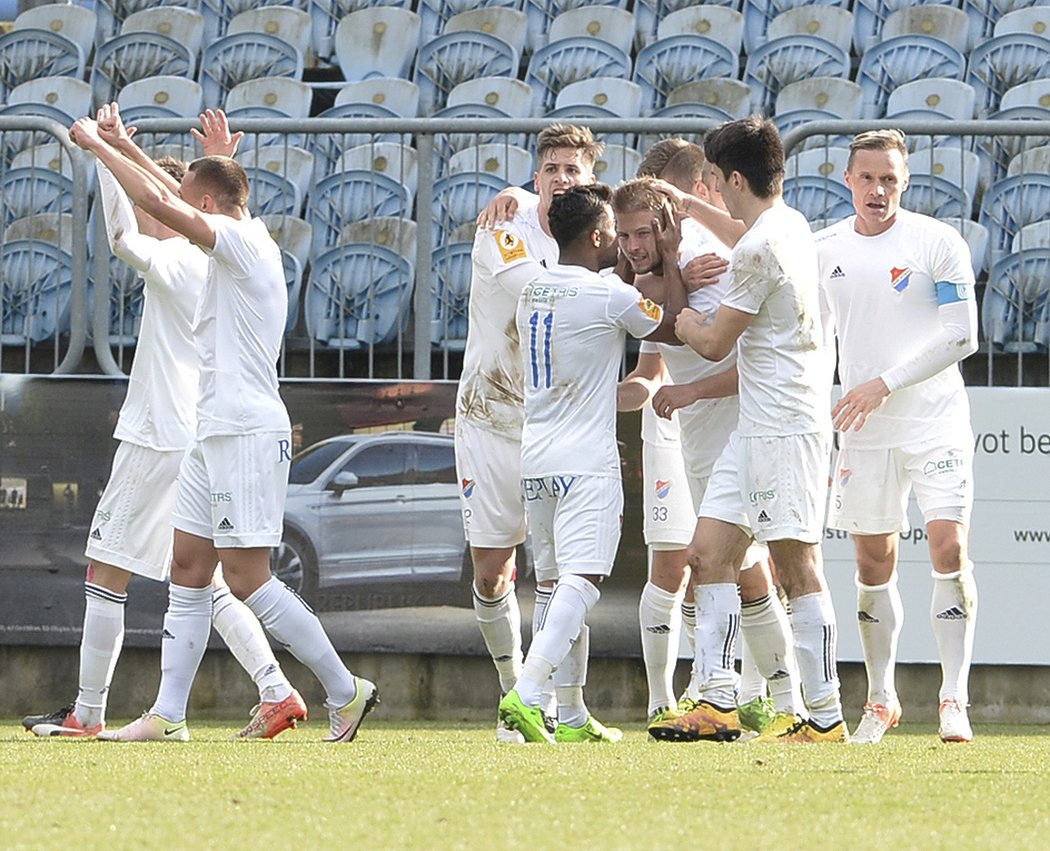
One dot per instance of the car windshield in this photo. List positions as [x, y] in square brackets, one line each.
[311, 462]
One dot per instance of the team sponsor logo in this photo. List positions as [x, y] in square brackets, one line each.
[651, 309]
[952, 614]
[218, 497]
[102, 516]
[763, 517]
[943, 465]
[755, 497]
[551, 486]
[663, 489]
[900, 278]
[837, 273]
[225, 525]
[96, 534]
[864, 617]
[844, 476]
[468, 487]
[510, 247]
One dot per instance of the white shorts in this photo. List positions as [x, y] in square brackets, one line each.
[489, 470]
[232, 489]
[667, 499]
[706, 426]
[132, 528]
[870, 487]
[575, 524]
[774, 488]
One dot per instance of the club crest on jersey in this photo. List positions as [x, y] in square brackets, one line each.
[900, 278]
[663, 489]
[844, 476]
[510, 247]
[468, 487]
[651, 309]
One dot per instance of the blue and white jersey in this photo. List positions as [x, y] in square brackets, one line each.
[572, 324]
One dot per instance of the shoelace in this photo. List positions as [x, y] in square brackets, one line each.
[794, 728]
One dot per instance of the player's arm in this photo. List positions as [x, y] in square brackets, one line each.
[670, 397]
[703, 271]
[956, 339]
[668, 230]
[634, 392]
[504, 206]
[111, 130]
[122, 229]
[719, 222]
[144, 188]
[712, 336]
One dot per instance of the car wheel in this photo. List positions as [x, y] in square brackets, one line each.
[294, 563]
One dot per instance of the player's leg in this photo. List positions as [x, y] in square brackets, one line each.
[494, 524]
[280, 706]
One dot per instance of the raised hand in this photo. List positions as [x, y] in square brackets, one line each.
[215, 136]
[111, 127]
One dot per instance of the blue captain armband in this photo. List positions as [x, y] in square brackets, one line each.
[949, 293]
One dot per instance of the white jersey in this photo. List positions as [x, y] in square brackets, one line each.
[573, 323]
[882, 294]
[660, 431]
[159, 410]
[239, 328]
[784, 383]
[505, 260]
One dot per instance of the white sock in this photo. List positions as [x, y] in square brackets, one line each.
[548, 699]
[660, 621]
[880, 616]
[99, 650]
[717, 624]
[752, 685]
[953, 615]
[295, 626]
[500, 623]
[816, 643]
[689, 625]
[569, 679]
[187, 625]
[767, 635]
[244, 635]
[566, 612]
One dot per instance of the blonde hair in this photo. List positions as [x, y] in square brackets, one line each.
[581, 139]
[637, 195]
[878, 140]
[659, 155]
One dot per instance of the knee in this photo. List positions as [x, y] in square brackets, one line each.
[493, 572]
[948, 556]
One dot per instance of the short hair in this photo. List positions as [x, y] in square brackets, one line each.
[577, 211]
[638, 195]
[685, 168]
[223, 178]
[173, 167]
[878, 140]
[752, 147]
[659, 155]
[556, 136]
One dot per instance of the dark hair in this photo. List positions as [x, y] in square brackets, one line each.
[659, 155]
[752, 147]
[174, 168]
[558, 135]
[222, 178]
[577, 211]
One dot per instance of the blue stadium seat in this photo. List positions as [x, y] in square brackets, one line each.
[377, 42]
[542, 14]
[569, 60]
[458, 198]
[1010, 204]
[649, 13]
[294, 235]
[451, 268]
[434, 14]
[1013, 56]
[671, 62]
[28, 54]
[326, 15]
[758, 14]
[822, 200]
[892, 63]
[35, 291]
[1016, 307]
[870, 16]
[279, 177]
[786, 60]
[357, 195]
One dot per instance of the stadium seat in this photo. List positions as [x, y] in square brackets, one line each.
[165, 40]
[826, 162]
[458, 198]
[892, 63]
[723, 98]
[451, 271]
[36, 290]
[678, 60]
[1016, 304]
[957, 168]
[1018, 53]
[111, 14]
[780, 62]
[976, 236]
[485, 97]
[985, 14]
[434, 14]
[219, 14]
[28, 53]
[831, 23]
[30, 190]
[377, 42]
[935, 97]
[325, 16]
[1035, 235]
[63, 99]
[293, 235]
[649, 13]
[267, 42]
[270, 97]
[542, 14]
[817, 99]
[390, 159]
[1024, 102]
[396, 94]
[617, 163]
[601, 97]
[479, 43]
[585, 43]
[56, 228]
[1010, 204]
[354, 195]
[162, 96]
[758, 14]
[279, 176]
[510, 163]
[357, 296]
[76, 23]
[392, 232]
[870, 16]
[822, 200]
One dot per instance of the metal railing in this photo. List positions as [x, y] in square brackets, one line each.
[307, 356]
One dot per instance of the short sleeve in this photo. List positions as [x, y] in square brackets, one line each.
[505, 254]
[950, 260]
[750, 280]
[630, 310]
[231, 249]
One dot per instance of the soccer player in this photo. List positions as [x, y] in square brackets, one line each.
[490, 399]
[704, 398]
[770, 481]
[904, 419]
[230, 495]
[132, 531]
[572, 323]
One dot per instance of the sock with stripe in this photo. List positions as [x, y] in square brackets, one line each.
[500, 622]
[244, 635]
[816, 643]
[717, 624]
[100, 648]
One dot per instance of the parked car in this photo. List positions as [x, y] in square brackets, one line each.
[372, 508]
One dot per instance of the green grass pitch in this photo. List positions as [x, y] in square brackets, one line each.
[437, 786]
